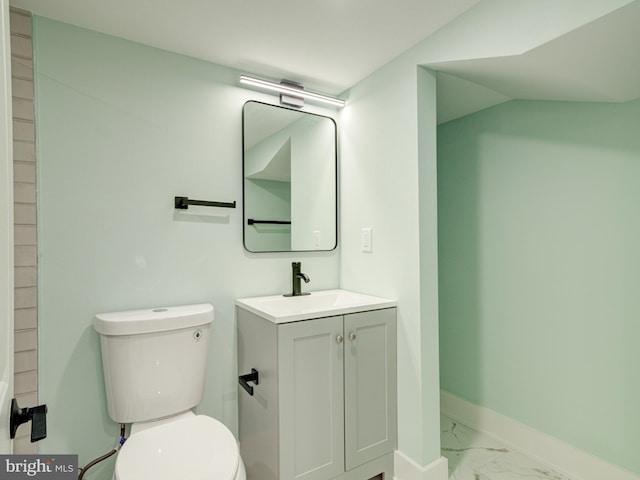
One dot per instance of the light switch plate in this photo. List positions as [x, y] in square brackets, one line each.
[366, 240]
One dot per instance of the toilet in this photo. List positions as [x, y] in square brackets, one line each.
[154, 371]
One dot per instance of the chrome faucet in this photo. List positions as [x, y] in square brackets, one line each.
[296, 276]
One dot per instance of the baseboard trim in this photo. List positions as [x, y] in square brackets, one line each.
[561, 456]
[407, 469]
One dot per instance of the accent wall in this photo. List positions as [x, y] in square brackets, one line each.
[539, 228]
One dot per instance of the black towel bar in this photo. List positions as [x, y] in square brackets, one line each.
[183, 203]
[251, 221]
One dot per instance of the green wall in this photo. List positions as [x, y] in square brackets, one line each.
[539, 235]
[388, 183]
[122, 129]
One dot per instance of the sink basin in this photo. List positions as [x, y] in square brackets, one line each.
[280, 309]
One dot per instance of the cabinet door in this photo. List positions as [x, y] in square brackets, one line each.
[370, 385]
[311, 393]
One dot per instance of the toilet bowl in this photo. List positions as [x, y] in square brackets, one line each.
[154, 370]
[189, 446]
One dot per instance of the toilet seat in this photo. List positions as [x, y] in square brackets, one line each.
[197, 447]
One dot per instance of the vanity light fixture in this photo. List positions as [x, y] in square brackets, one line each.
[290, 90]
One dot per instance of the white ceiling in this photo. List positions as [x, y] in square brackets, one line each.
[330, 45]
[327, 45]
[598, 62]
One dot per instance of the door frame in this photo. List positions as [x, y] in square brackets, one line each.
[6, 232]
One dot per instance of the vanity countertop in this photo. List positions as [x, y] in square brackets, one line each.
[325, 303]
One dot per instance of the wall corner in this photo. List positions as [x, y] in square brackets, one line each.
[407, 469]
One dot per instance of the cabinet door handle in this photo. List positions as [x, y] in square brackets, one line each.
[339, 339]
[352, 337]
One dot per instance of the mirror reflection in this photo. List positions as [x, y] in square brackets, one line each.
[289, 171]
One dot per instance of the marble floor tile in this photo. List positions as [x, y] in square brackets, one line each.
[476, 456]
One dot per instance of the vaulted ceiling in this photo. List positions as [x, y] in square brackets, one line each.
[598, 62]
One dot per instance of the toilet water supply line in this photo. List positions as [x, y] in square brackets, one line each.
[84, 469]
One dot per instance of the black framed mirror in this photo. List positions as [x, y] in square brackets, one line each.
[289, 174]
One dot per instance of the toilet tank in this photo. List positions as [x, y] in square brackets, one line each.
[154, 360]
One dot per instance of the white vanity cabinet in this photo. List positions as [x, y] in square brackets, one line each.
[325, 403]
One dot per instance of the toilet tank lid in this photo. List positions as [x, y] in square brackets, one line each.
[133, 322]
